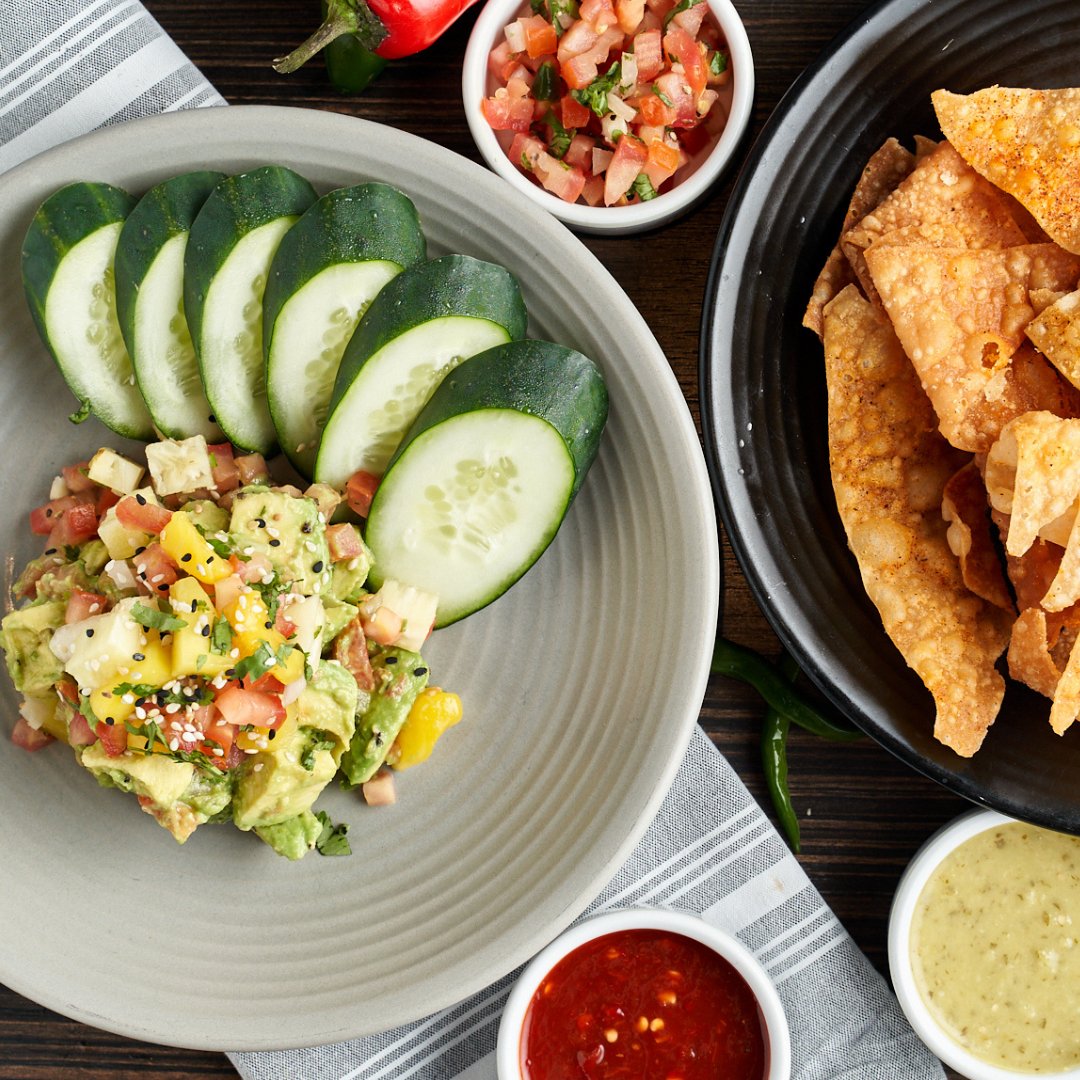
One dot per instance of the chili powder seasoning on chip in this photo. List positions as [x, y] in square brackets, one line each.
[647, 1005]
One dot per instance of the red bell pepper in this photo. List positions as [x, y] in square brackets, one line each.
[389, 28]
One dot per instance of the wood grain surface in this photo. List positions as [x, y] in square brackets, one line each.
[864, 813]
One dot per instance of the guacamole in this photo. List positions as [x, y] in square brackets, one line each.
[207, 651]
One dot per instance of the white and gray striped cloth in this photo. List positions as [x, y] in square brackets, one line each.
[71, 66]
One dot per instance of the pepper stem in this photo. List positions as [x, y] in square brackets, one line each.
[342, 17]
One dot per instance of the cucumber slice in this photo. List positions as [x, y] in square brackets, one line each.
[232, 243]
[417, 330]
[150, 304]
[68, 273]
[326, 272]
[483, 479]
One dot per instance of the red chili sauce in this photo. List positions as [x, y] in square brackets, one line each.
[643, 1005]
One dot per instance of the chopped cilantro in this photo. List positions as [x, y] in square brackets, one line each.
[596, 93]
[221, 637]
[258, 663]
[320, 742]
[544, 84]
[642, 188]
[153, 619]
[80, 414]
[332, 840]
[663, 97]
[271, 593]
[718, 63]
[559, 142]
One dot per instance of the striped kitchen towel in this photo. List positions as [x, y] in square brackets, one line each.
[710, 850]
[70, 66]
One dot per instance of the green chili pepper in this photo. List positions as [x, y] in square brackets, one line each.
[736, 662]
[774, 735]
[349, 64]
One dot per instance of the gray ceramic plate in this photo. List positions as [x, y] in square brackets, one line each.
[581, 685]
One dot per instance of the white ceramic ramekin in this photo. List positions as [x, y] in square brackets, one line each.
[698, 177]
[926, 861]
[774, 1022]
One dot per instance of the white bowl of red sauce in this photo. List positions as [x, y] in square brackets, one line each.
[688, 114]
[644, 992]
[984, 948]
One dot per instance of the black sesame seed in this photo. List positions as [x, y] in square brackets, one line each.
[230, 672]
[275, 542]
[186, 557]
[261, 522]
[209, 559]
[110, 721]
[89, 633]
[419, 671]
[206, 631]
[140, 550]
[378, 738]
[50, 551]
[140, 499]
[48, 512]
[194, 606]
[138, 656]
[306, 527]
[269, 625]
[317, 566]
[271, 734]
[391, 660]
[163, 587]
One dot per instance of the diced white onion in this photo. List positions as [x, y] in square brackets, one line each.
[293, 690]
[624, 112]
[515, 36]
[627, 72]
[57, 491]
[613, 128]
[35, 711]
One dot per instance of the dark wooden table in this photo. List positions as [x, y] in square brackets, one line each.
[864, 813]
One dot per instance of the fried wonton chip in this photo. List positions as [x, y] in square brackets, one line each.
[1066, 706]
[960, 315]
[887, 166]
[889, 468]
[965, 509]
[1056, 333]
[1030, 661]
[1033, 474]
[1027, 142]
[947, 199]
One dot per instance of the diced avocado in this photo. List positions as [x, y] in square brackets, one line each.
[294, 837]
[59, 583]
[159, 778]
[399, 676]
[207, 515]
[93, 555]
[25, 634]
[209, 796]
[338, 615]
[273, 786]
[288, 531]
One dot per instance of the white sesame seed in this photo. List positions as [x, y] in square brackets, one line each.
[173, 707]
[251, 751]
[290, 756]
[257, 767]
[174, 745]
[128, 699]
[217, 751]
[234, 653]
[156, 578]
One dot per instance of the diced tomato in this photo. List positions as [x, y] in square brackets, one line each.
[507, 114]
[43, 519]
[593, 191]
[629, 13]
[694, 139]
[114, 737]
[81, 605]
[76, 478]
[626, 165]
[661, 163]
[284, 626]
[344, 542]
[240, 706]
[691, 18]
[649, 53]
[526, 151]
[106, 499]
[223, 467]
[155, 570]
[252, 468]
[654, 112]
[138, 513]
[678, 91]
[579, 152]
[578, 71]
[76, 525]
[600, 13]
[574, 114]
[499, 57]
[79, 733]
[218, 736]
[68, 690]
[580, 38]
[360, 488]
[561, 179]
[264, 684]
[682, 47]
[28, 738]
[540, 36]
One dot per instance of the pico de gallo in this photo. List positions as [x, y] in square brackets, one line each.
[607, 100]
[204, 640]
